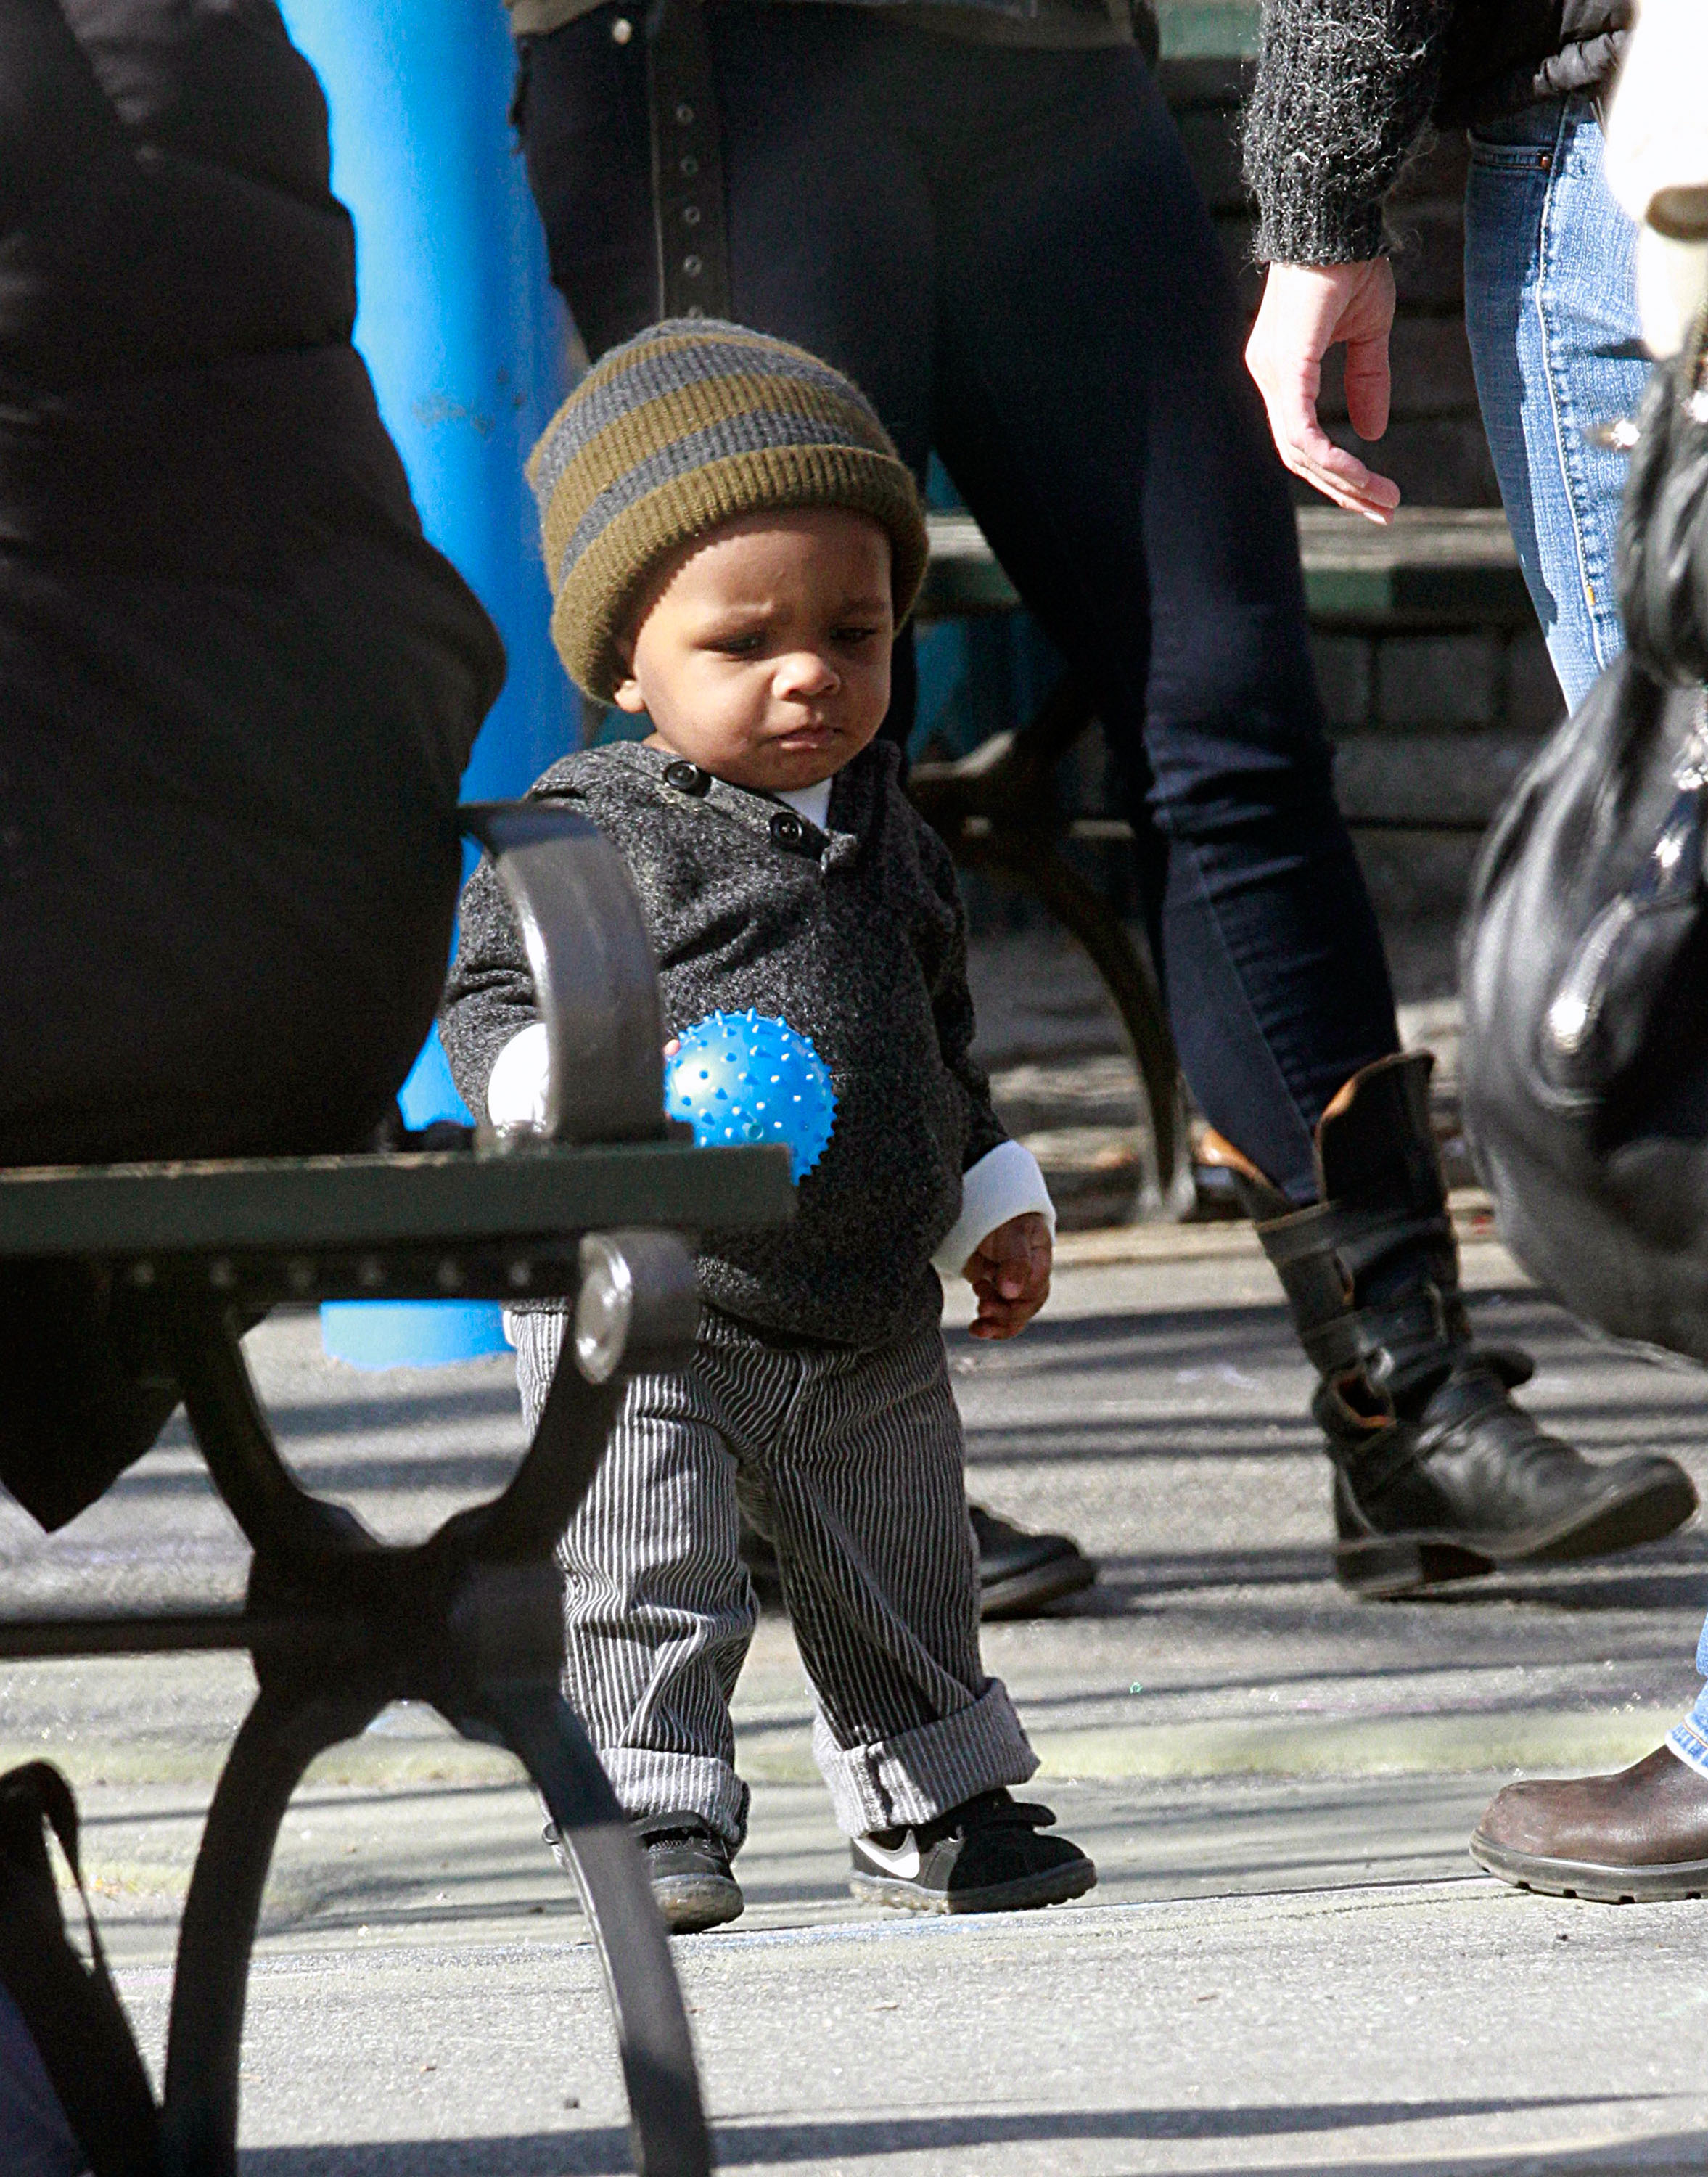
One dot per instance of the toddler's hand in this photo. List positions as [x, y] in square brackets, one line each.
[1009, 1270]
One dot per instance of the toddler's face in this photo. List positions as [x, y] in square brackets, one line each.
[762, 653]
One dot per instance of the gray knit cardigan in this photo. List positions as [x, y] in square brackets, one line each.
[1347, 89]
[856, 938]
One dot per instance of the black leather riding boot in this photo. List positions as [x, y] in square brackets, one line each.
[1438, 1475]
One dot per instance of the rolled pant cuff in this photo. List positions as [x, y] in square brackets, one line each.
[651, 1783]
[893, 1783]
[1688, 1741]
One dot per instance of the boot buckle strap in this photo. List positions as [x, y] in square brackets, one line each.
[1359, 1240]
[1386, 1346]
[1370, 1467]
[1360, 1247]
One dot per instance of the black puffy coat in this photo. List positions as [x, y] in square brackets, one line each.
[237, 687]
[1502, 55]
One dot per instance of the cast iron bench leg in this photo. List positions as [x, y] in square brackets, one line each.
[280, 1736]
[996, 809]
[667, 2125]
[283, 1733]
[471, 1620]
[1031, 861]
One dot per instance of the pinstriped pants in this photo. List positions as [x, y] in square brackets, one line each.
[852, 1464]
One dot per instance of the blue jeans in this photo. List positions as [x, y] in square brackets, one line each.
[1690, 1740]
[1550, 309]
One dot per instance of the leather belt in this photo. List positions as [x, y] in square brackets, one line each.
[687, 163]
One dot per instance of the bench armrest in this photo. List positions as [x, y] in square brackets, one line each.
[595, 979]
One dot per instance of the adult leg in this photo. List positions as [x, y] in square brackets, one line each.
[830, 246]
[1550, 309]
[829, 216]
[35, 2136]
[1091, 405]
[581, 110]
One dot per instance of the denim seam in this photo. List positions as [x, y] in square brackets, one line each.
[1684, 1740]
[1554, 376]
[1510, 158]
[1236, 976]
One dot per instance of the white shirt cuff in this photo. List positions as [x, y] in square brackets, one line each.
[1005, 1183]
[516, 1095]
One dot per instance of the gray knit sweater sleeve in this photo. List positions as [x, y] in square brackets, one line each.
[1345, 89]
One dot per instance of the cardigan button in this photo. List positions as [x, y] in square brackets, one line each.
[687, 778]
[787, 828]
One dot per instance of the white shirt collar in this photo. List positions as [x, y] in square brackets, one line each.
[812, 802]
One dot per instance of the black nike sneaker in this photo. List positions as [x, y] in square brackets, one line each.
[984, 1856]
[689, 1866]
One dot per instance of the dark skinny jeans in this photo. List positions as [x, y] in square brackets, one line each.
[1005, 248]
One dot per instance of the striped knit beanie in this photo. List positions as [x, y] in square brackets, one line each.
[681, 429]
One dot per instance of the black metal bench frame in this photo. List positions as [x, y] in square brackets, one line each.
[997, 810]
[338, 1624]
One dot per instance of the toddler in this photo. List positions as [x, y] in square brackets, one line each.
[732, 541]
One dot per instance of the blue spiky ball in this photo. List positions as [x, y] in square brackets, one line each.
[740, 1077]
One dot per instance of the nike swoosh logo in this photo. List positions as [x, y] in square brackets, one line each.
[902, 1861]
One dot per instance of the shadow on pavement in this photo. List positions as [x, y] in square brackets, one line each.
[604, 2152]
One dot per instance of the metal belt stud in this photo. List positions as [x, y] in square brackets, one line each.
[687, 165]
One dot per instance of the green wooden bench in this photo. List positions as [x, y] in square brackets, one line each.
[590, 1211]
[1433, 568]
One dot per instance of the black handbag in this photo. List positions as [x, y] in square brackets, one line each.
[72, 2010]
[1584, 960]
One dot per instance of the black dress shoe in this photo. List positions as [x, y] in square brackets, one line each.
[1439, 1474]
[1020, 1574]
[762, 1569]
[1626, 1840]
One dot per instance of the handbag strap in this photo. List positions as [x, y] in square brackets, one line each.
[1694, 362]
[73, 2010]
[687, 163]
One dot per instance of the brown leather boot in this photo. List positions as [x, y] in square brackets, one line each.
[1626, 1840]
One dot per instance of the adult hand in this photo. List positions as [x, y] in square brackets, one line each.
[1009, 1271]
[1306, 308]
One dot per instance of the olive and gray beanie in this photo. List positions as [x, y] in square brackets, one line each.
[687, 426]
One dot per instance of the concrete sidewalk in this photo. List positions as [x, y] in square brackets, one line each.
[1289, 1963]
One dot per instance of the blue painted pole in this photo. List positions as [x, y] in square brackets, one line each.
[468, 348]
